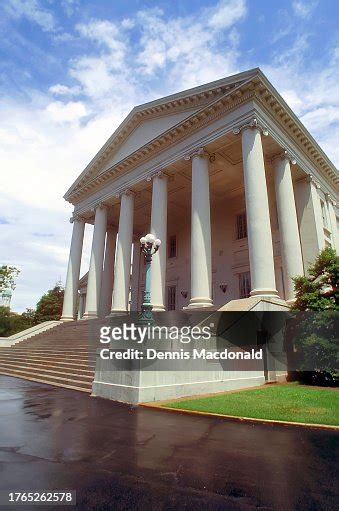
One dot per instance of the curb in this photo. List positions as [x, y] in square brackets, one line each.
[239, 418]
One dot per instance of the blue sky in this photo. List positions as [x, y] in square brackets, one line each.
[72, 69]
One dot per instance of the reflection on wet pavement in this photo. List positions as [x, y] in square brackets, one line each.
[120, 457]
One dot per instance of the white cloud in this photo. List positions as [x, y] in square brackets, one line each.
[31, 10]
[66, 112]
[303, 9]
[107, 34]
[187, 46]
[225, 13]
[63, 90]
[70, 6]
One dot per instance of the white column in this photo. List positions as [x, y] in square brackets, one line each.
[159, 229]
[81, 305]
[319, 223]
[108, 272]
[73, 271]
[288, 225]
[96, 263]
[309, 218]
[333, 222]
[201, 258]
[257, 212]
[122, 269]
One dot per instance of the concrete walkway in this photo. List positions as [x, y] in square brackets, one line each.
[120, 458]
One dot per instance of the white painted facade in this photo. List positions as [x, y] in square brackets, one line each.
[190, 168]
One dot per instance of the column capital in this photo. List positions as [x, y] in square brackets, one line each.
[330, 199]
[100, 205]
[284, 155]
[161, 174]
[127, 192]
[252, 124]
[78, 218]
[201, 152]
[311, 179]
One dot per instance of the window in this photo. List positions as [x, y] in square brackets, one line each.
[241, 226]
[172, 247]
[244, 284]
[324, 214]
[171, 292]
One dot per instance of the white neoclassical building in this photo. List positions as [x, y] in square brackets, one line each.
[229, 179]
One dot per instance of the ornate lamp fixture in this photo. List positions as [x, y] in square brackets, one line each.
[149, 245]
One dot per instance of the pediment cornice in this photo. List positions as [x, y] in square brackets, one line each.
[213, 104]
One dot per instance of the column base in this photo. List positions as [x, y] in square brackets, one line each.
[158, 308]
[264, 292]
[67, 318]
[199, 302]
[117, 312]
[89, 315]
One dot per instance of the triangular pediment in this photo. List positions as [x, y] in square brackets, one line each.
[144, 132]
[150, 120]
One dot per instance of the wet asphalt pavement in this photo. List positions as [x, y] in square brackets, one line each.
[121, 458]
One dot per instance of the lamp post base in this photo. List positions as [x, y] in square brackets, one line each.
[146, 315]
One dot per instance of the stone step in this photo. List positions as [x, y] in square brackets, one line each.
[54, 384]
[50, 379]
[57, 347]
[77, 363]
[70, 351]
[84, 374]
[82, 361]
[84, 355]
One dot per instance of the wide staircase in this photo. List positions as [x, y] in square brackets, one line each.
[63, 356]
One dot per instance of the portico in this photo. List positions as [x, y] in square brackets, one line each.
[230, 181]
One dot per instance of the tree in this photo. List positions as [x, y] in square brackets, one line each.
[315, 353]
[49, 307]
[320, 290]
[315, 335]
[8, 275]
[12, 323]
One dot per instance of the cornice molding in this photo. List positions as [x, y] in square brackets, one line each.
[252, 124]
[293, 126]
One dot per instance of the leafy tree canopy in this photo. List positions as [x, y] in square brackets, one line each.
[49, 307]
[8, 274]
[12, 323]
[320, 290]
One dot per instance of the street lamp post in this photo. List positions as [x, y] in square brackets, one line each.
[149, 245]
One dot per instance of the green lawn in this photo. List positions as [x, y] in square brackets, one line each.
[290, 402]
